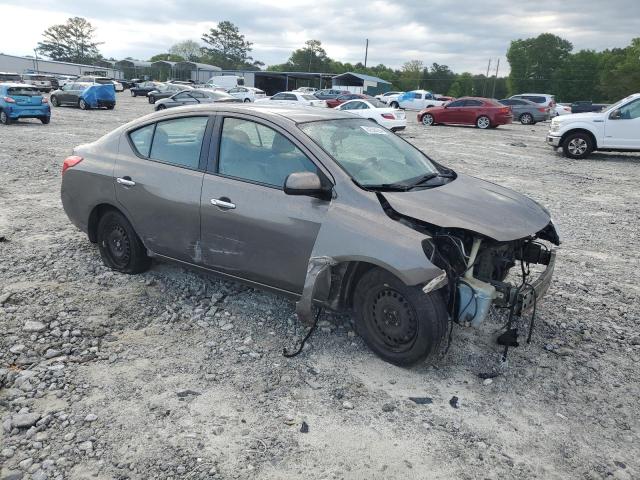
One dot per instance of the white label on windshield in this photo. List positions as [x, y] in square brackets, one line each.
[374, 130]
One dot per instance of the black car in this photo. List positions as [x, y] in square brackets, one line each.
[195, 97]
[583, 106]
[125, 83]
[142, 89]
[166, 90]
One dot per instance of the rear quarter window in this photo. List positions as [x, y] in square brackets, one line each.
[141, 139]
[536, 99]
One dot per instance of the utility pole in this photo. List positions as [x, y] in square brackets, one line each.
[366, 53]
[486, 79]
[310, 56]
[493, 93]
[36, 65]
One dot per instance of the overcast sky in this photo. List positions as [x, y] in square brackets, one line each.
[462, 34]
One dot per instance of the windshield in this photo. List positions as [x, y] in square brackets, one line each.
[370, 154]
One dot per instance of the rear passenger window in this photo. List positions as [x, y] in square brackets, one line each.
[179, 141]
[255, 152]
[141, 139]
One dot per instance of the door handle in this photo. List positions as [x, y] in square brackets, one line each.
[126, 181]
[224, 204]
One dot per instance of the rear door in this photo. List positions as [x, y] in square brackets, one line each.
[158, 181]
[250, 228]
[622, 127]
[470, 111]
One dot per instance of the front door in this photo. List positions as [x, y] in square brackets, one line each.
[250, 228]
[622, 127]
[158, 181]
[452, 112]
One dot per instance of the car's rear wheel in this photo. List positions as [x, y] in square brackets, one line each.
[394, 104]
[4, 118]
[400, 323]
[119, 245]
[45, 120]
[483, 122]
[54, 101]
[428, 120]
[247, 100]
[526, 119]
[83, 105]
[162, 106]
[577, 145]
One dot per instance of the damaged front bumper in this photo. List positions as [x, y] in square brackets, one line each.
[528, 297]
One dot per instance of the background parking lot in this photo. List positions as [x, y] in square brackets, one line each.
[173, 373]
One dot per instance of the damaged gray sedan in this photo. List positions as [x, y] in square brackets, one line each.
[331, 210]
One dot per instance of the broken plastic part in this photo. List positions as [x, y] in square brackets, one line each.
[317, 269]
[436, 283]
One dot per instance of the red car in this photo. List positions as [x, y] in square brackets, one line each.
[334, 102]
[478, 111]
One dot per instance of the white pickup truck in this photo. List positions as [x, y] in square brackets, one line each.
[615, 129]
[416, 100]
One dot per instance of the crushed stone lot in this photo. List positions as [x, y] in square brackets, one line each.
[174, 374]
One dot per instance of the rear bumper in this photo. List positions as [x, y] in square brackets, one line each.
[106, 103]
[503, 119]
[26, 112]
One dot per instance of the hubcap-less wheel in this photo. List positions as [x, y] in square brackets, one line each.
[161, 106]
[526, 119]
[483, 122]
[394, 320]
[4, 118]
[577, 146]
[54, 101]
[427, 119]
[83, 104]
[118, 245]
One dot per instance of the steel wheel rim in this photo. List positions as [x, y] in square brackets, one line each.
[3, 117]
[577, 146]
[394, 321]
[427, 120]
[118, 245]
[483, 122]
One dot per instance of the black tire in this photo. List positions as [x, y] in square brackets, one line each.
[483, 122]
[45, 120]
[119, 245]
[162, 106]
[133, 94]
[428, 120]
[4, 118]
[526, 119]
[54, 101]
[420, 319]
[152, 99]
[110, 107]
[394, 105]
[83, 105]
[577, 145]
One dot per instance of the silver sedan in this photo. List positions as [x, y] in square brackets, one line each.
[195, 97]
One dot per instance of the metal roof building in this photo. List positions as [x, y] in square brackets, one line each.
[361, 83]
[17, 64]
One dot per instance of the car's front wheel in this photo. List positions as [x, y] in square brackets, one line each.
[526, 119]
[400, 323]
[45, 120]
[120, 247]
[83, 105]
[427, 120]
[394, 105]
[577, 145]
[162, 106]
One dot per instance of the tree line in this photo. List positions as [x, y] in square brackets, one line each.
[544, 64]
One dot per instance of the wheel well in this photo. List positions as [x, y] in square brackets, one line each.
[579, 130]
[344, 278]
[94, 217]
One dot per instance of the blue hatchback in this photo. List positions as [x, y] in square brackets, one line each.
[18, 100]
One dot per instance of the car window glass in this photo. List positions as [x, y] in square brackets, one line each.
[141, 139]
[290, 96]
[182, 96]
[630, 110]
[536, 99]
[179, 141]
[197, 94]
[255, 152]
[278, 96]
[472, 103]
[456, 103]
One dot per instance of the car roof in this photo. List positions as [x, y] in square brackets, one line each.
[295, 114]
[537, 94]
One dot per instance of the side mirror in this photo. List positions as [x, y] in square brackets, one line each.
[615, 115]
[304, 183]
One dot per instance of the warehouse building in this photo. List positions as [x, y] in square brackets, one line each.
[20, 65]
[361, 83]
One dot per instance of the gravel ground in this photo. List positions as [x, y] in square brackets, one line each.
[173, 374]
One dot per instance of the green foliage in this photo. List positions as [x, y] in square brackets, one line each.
[70, 42]
[187, 50]
[227, 48]
[168, 57]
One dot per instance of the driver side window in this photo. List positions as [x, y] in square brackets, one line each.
[630, 111]
[257, 153]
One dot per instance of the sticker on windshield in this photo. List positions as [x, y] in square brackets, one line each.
[374, 130]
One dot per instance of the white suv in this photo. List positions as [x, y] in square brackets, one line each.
[615, 129]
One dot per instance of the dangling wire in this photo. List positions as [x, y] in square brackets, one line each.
[287, 354]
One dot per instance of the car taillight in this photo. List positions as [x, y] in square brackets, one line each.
[542, 109]
[9, 100]
[505, 110]
[388, 116]
[71, 161]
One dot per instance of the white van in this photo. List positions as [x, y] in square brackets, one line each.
[225, 82]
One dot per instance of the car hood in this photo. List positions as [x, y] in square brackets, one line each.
[586, 116]
[472, 204]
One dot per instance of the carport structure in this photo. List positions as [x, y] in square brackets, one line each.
[134, 68]
[198, 72]
[361, 83]
[274, 82]
[163, 70]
